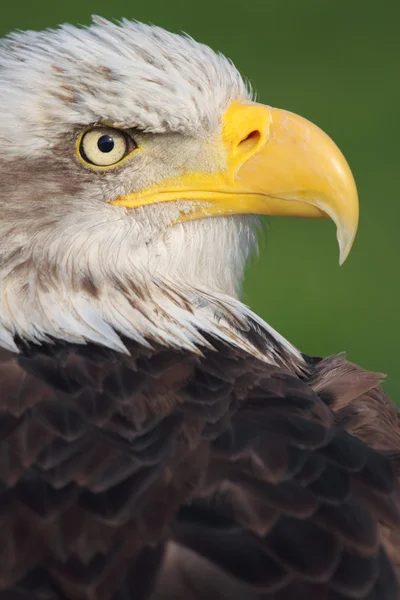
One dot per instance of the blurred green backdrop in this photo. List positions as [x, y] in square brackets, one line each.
[336, 62]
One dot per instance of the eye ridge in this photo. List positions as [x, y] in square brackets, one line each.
[105, 147]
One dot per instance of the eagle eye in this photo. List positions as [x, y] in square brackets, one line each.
[105, 146]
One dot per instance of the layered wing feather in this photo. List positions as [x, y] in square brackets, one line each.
[167, 475]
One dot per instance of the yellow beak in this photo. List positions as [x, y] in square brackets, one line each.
[277, 163]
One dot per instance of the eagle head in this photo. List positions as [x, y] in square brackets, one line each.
[133, 166]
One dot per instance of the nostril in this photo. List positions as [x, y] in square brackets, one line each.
[250, 141]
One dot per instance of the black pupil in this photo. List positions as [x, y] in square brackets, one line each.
[105, 143]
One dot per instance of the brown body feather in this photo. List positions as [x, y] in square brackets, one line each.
[167, 476]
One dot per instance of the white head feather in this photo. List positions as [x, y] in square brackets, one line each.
[75, 267]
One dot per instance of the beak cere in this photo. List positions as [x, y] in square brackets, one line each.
[277, 163]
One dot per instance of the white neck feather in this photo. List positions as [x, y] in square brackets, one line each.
[172, 291]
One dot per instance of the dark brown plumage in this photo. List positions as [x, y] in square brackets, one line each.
[162, 475]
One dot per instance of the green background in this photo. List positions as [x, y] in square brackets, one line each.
[337, 63]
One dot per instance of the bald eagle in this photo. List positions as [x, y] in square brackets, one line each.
[158, 440]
